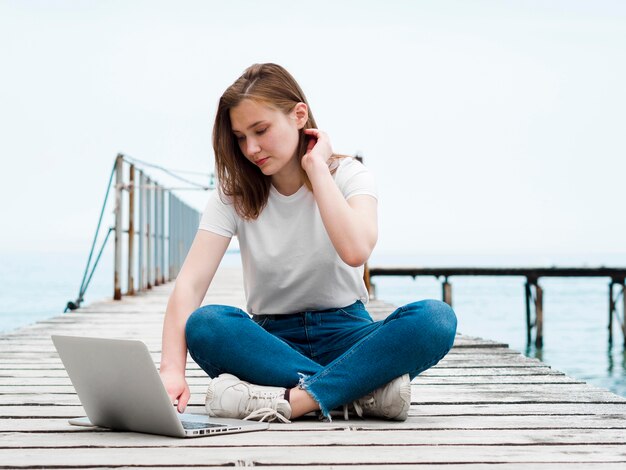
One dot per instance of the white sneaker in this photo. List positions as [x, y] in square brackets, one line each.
[391, 401]
[229, 397]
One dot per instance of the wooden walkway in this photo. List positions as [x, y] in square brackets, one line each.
[484, 404]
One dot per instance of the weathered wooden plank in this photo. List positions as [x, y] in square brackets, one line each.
[439, 371]
[426, 466]
[50, 371]
[44, 358]
[424, 391]
[45, 351]
[53, 363]
[346, 437]
[310, 455]
[150, 331]
[477, 410]
[525, 380]
[424, 423]
[37, 384]
[20, 378]
[199, 375]
[9, 376]
[419, 386]
[419, 397]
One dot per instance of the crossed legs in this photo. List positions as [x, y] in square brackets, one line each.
[362, 356]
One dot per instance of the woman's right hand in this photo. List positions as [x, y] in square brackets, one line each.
[177, 389]
[192, 282]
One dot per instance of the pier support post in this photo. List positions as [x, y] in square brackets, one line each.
[538, 316]
[613, 309]
[446, 288]
[529, 324]
[533, 282]
[624, 311]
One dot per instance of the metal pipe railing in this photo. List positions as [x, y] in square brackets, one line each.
[141, 271]
[119, 183]
[164, 232]
[130, 275]
[162, 235]
[149, 228]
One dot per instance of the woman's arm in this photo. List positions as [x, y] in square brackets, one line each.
[192, 283]
[352, 225]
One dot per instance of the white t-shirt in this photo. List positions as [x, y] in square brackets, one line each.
[289, 262]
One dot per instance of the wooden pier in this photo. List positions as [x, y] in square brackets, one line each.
[532, 290]
[484, 405]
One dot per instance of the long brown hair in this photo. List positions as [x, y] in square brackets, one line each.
[238, 178]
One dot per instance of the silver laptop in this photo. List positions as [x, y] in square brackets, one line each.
[120, 388]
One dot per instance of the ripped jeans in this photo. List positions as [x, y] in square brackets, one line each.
[337, 355]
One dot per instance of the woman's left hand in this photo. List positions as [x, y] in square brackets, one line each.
[318, 150]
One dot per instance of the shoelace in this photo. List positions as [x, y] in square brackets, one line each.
[359, 407]
[346, 409]
[264, 405]
[264, 413]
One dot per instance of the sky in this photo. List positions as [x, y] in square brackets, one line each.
[492, 127]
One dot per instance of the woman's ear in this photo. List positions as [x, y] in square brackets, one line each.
[301, 114]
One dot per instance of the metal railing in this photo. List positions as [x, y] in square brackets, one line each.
[164, 232]
[153, 229]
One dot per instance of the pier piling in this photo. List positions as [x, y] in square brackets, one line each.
[533, 292]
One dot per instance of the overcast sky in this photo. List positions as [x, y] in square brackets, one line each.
[493, 127]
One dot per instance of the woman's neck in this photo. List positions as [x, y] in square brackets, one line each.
[287, 188]
[288, 180]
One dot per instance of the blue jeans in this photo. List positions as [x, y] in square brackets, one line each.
[337, 355]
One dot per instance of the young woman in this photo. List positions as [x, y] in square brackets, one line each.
[306, 220]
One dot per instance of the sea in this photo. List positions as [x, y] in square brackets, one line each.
[37, 286]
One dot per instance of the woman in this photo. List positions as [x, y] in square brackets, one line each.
[306, 220]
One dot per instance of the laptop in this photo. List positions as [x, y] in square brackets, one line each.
[120, 388]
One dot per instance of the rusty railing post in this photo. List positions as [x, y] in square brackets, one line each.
[140, 235]
[149, 229]
[131, 230]
[162, 232]
[157, 235]
[117, 269]
[170, 252]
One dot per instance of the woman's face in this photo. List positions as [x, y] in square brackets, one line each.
[267, 136]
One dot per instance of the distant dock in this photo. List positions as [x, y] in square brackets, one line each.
[532, 289]
[484, 404]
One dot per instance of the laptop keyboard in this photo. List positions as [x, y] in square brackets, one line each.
[197, 425]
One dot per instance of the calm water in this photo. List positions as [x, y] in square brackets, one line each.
[37, 286]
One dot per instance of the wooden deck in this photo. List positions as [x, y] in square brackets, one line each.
[484, 404]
